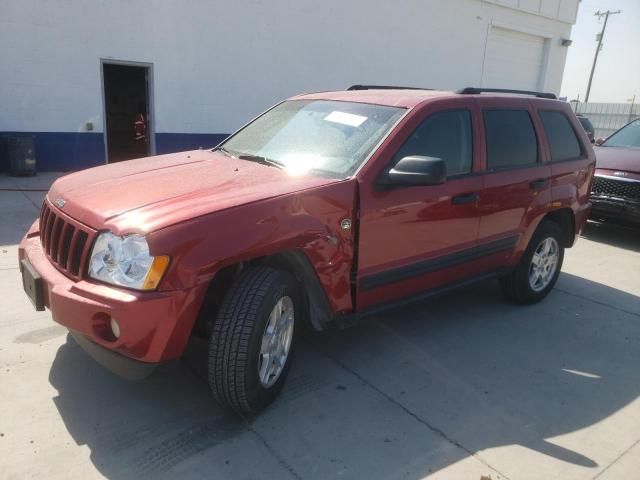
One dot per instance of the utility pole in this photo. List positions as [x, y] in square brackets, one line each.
[598, 14]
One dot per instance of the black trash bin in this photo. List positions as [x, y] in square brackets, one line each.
[19, 154]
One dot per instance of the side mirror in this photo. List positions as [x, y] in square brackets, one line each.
[599, 141]
[416, 170]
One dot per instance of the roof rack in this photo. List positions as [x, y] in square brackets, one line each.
[476, 91]
[383, 87]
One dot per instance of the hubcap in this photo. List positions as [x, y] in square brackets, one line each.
[544, 264]
[276, 342]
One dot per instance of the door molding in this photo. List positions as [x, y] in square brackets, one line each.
[400, 274]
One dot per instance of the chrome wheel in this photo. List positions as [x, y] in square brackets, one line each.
[276, 342]
[544, 264]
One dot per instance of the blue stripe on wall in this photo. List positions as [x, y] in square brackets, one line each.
[64, 151]
[68, 151]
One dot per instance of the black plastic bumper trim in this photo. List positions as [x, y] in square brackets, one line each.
[621, 210]
[122, 366]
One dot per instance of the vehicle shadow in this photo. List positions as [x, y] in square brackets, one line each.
[402, 395]
[616, 235]
[135, 428]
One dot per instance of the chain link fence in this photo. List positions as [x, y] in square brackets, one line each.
[607, 117]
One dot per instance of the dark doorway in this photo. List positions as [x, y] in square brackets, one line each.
[126, 101]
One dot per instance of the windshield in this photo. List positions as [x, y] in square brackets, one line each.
[627, 137]
[321, 137]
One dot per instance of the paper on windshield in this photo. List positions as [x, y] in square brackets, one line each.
[345, 118]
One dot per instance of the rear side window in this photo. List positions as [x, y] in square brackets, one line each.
[563, 143]
[445, 135]
[511, 139]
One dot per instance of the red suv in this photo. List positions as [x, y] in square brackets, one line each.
[616, 188]
[325, 208]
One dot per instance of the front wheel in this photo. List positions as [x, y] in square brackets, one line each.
[539, 268]
[253, 339]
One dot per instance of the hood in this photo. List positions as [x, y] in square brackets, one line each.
[618, 158]
[150, 193]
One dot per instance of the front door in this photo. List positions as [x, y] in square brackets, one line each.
[126, 102]
[413, 238]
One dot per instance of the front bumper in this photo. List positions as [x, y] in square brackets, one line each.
[154, 326]
[122, 366]
[615, 209]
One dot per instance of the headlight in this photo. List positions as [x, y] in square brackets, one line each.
[125, 261]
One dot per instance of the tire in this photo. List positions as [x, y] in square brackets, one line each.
[518, 286]
[237, 338]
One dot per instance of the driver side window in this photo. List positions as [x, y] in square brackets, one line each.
[445, 135]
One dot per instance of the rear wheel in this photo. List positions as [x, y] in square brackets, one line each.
[253, 339]
[539, 268]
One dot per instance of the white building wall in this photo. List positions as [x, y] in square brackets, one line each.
[216, 64]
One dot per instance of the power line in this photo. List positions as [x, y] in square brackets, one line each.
[600, 36]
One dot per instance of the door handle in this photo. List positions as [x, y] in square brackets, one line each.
[539, 184]
[465, 198]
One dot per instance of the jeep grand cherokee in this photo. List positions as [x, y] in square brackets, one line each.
[324, 209]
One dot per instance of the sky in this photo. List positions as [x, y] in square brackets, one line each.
[617, 75]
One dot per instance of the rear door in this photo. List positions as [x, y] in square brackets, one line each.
[413, 238]
[517, 180]
[569, 152]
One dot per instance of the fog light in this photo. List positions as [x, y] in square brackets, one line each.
[115, 328]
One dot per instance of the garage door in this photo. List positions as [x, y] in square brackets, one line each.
[513, 60]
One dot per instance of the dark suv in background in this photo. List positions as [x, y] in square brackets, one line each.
[587, 126]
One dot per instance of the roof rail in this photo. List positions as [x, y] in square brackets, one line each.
[383, 87]
[475, 91]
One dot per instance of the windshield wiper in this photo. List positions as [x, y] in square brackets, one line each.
[252, 158]
[223, 150]
[261, 160]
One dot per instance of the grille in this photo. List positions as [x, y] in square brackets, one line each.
[64, 242]
[612, 187]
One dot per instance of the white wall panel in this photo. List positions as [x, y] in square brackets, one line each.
[215, 64]
[568, 10]
[550, 8]
[530, 5]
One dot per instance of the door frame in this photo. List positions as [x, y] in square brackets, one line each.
[151, 123]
